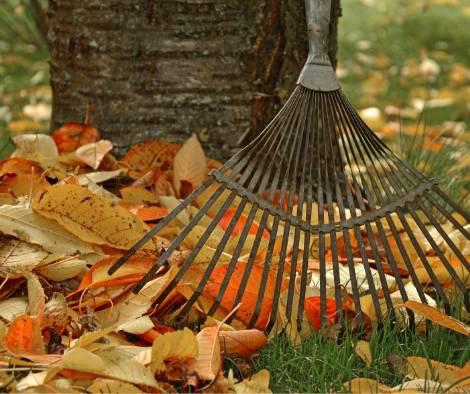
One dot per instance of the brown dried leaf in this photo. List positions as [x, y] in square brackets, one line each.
[243, 343]
[209, 361]
[92, 154]
[362, 349]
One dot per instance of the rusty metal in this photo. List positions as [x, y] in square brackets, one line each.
[317, 151]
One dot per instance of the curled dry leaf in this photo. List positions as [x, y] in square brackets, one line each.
[438, 317]
[62, 269]
[189, 165]
[19, 166]
[22, 184]
[92, 154]
[91, 218]
[56, 311]
[13, 307]
[179, 346]
[139, 326]
[36, 296]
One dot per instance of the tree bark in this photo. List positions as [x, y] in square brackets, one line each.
[165, 69]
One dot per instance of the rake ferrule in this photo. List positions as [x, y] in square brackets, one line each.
[318, 74]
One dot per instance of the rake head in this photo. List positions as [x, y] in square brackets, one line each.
[317, 204]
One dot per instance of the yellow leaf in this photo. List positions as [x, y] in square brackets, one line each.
[138, 195]
[364, 386]
[91, 218]
[422, 368]
[209, 361]
[179, 346]
[362, 349]
[82, 360]
[39, 147]
[22, 222]
[438, 317]
[62, 269]
[189, 165]
[257, 383]
[137, 326]
[109, 386]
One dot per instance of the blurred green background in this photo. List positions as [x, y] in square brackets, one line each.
[404, 64]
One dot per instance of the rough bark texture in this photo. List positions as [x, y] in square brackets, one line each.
[166, 69]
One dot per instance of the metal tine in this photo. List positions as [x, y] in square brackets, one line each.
[452, 203]
[156, 229]
[342, 215]
[182, 235]
[309, 201]
[416, 245]
[447, 214]
[261, 229]
[411, 236]
[428, 236]
[242, 239]
[265, 133]
[436, 248]
[300, 203]
[234, 260]
[292, 179]
[201, 242]
[269, 164]
[264, 275]
[250, 262]
[379, 225]
[321, 234]
[365, 261]
[267, 261]
[248, 151]
[215, 257]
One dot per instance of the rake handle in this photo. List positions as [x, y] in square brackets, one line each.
[318, 74]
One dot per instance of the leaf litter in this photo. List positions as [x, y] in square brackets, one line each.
[70, 209]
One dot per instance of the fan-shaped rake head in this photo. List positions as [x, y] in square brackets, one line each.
[316, 206]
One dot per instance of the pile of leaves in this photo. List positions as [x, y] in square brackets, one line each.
[69, 209]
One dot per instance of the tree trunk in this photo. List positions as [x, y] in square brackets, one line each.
[166, 69]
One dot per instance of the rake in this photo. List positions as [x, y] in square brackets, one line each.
[318, 185]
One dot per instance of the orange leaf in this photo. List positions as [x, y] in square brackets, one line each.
[148, 155]
[312, 310]
[250, 295]
[226, 219]
[24, 336]
[19, 165]
[243, 343]
[73, 135]
[22, 184]
[148, 214]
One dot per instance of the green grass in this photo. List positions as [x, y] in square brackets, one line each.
[322, 365]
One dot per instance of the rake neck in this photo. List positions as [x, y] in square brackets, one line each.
[318, 74]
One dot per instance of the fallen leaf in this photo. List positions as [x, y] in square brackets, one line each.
[257, 383]
[422, 368]
[179, 346]
[438, 317]
[146, 155]
[93, 153]
[24, 336]
[73, 135]
[17, 256]
[138, 195]
[242, 343]
[91, 218]
[62, 269]
[38, 147]
[189, 165]
[362, 349]
[22, 222]
[312, 310]
[109, 386]
[138, 326]
[208, 361]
